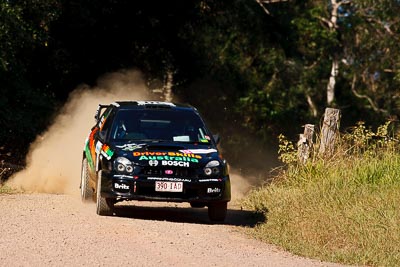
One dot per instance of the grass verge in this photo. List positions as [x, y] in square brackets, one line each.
[344, 211]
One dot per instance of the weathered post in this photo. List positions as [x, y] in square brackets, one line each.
[305, 143]
[330, 128]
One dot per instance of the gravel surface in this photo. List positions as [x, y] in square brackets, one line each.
[59, 230]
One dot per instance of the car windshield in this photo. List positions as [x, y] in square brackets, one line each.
[160, 125]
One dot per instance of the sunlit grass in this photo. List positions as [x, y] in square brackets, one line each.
[343, 210]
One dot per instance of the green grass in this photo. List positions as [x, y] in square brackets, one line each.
[346, 211]
[7, 190]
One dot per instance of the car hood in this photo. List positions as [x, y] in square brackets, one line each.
[166, 153]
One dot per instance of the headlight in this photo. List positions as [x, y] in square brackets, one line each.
[212, 168]
[122, 164]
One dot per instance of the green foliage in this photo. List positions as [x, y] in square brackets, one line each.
[24, 26]
[370, 38]
[262, 74]
[25, 104]
[363, 140]
[286, 151]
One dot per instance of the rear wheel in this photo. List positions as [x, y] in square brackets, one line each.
[104, 206]
[217, 211]
[86, 191]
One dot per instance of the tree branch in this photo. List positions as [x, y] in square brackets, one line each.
[263, 7]
[262, 2]
[385, 26]
[326, 21]
[332, 23]
[370, 101]
[274, 1]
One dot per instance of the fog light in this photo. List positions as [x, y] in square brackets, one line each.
[129, 168]
[212, 167]
[120, 167]
[215, 170]
[207, 171]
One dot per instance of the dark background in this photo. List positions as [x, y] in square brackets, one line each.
[248, 72]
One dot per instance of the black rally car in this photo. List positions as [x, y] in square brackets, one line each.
[155, 151]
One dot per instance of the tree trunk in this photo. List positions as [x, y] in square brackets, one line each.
[168, 86]
[312, 106]
[330, 90]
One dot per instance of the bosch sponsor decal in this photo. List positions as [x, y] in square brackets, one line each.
[107, 152]
[153, 162]
[174, 163]
[131, 147]
[169, 179]
[168, 156]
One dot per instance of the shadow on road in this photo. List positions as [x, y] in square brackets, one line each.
[235, 217]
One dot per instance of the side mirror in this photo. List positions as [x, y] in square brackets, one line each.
[217, 139]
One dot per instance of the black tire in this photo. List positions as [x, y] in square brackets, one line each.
[217, 211]
[104, 206]
[197, 205]
[86, 190]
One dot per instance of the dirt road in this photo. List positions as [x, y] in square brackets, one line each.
[55, 230]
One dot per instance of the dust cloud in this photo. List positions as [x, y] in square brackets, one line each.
[240, 185]
[54, 158]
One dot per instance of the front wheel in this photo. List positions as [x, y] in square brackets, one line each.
[104, 206]
[217, 211]
[86, 190]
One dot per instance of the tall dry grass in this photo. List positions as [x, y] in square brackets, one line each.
[344, 209]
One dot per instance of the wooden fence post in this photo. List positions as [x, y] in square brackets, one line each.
[330, 128]
[305, 143]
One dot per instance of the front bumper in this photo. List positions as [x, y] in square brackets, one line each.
[204, 190]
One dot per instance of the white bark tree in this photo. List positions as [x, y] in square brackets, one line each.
[332, 23]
